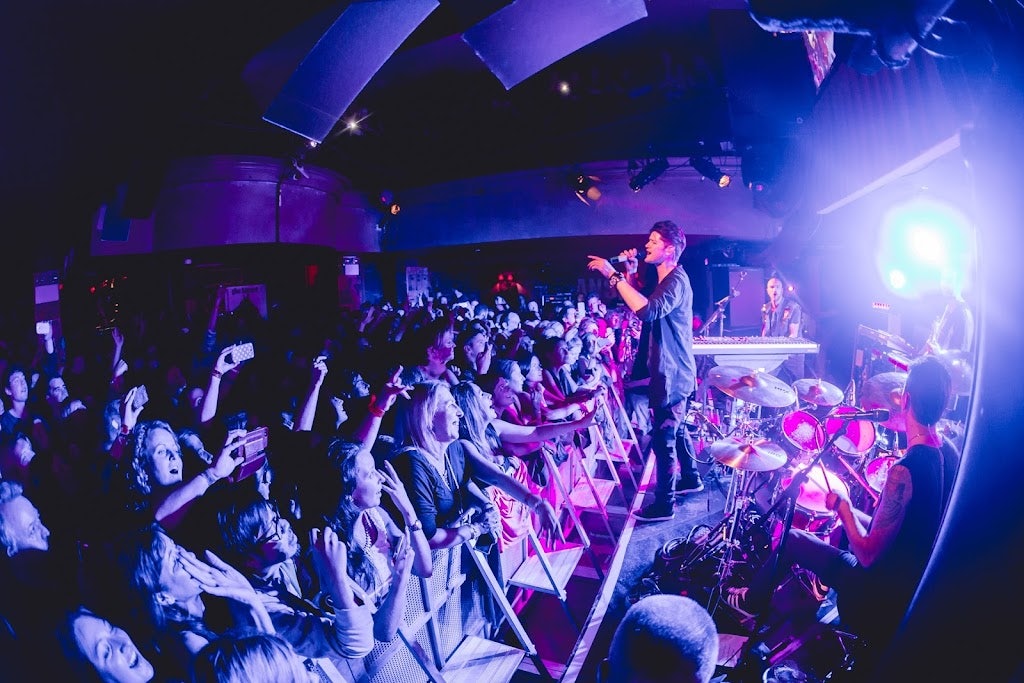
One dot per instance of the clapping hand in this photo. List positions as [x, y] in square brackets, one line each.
[217, 577]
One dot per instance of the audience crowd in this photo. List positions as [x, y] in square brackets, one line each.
[251, 504]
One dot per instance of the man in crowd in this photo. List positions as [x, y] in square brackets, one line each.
[664, 639]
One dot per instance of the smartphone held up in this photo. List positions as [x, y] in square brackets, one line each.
[254, 450]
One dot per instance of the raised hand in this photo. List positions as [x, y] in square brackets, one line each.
[392, 389]
[129, 413]
[392, 485]
[230, 457]
[225, 363]
[330, 558]
[118, 336]
[600, 264]
[319, 369]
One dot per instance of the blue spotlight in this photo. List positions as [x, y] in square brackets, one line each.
[923, 243]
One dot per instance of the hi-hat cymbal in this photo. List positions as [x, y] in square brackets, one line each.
[818, 392]
[760, 455]
[752, 386]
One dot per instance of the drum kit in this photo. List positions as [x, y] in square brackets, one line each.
[787, 455]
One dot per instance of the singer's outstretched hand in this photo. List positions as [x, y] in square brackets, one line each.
[601, 265]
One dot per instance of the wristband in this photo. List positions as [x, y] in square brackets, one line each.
[210, 477]
[375, 409]
[474, 531]
[416, 526]
[614, 279]
[125, 431]
[215, 374]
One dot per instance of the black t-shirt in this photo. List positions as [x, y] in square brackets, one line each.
[438, 497]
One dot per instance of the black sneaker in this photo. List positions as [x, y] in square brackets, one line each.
[655, 512]
[687, 485]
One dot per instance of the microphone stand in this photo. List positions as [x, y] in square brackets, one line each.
[718, 316]
[788, 499]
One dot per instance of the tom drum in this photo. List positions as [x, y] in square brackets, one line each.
[857, 437]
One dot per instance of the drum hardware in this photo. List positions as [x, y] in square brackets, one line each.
[784, 506]
[760, 455]
[859, 479]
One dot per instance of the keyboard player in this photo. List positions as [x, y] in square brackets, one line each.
[782, 316]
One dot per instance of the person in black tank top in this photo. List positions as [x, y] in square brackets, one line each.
[875, 578]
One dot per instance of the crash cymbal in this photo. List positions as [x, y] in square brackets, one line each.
[760, 455]
[885, 390]
[752, 386]
[818, 392]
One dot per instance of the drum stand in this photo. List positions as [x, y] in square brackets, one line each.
[786, 502]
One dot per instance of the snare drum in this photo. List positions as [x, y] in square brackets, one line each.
[859, 436]
[810, 512]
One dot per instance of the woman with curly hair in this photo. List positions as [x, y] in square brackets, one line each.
[155, 471]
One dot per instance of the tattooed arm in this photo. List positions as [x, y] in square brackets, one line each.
[868, 543]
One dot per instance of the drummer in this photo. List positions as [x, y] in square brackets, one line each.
[875, 579]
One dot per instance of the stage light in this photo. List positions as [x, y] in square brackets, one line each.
[707, 168]
[388, 202]
[585, 187]
[648, 173]
[923, 244]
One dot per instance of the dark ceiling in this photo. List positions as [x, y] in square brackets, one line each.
[99, 94]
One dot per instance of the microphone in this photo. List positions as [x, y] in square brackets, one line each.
[725, 299]
[623, 259]
[879, 415]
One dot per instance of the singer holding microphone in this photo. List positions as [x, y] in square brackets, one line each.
[876, 577]
[669, 314]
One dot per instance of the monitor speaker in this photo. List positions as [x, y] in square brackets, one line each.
[341, 62]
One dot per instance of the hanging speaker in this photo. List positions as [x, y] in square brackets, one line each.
[340, 64]
[528, 35]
